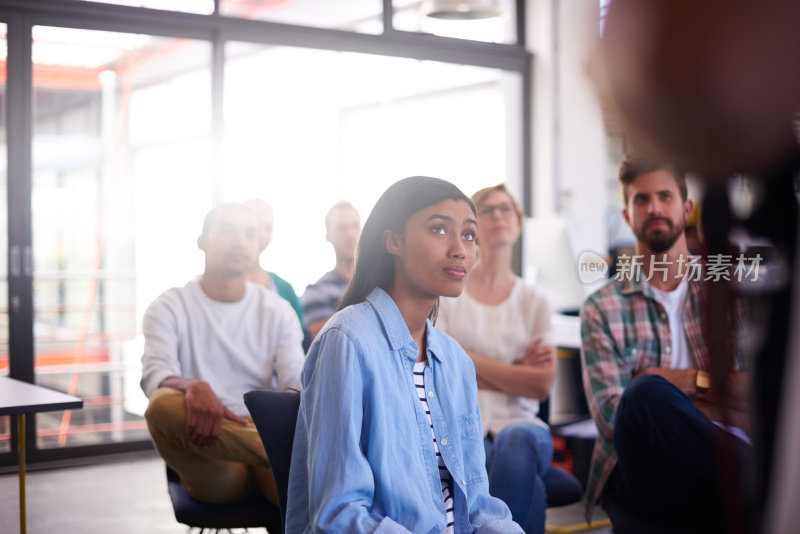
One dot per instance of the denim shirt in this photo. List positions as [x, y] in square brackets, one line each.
[363, 458]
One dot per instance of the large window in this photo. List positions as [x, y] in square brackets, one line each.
[130, 118]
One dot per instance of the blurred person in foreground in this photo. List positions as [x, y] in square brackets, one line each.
[718, 92]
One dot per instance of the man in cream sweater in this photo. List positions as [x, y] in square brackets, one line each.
[206, 344]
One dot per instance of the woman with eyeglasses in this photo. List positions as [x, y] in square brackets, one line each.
[504, 325]
[388, 434]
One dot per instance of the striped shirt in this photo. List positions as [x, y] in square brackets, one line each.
[321, 298]
[444, 474]
[625, 330]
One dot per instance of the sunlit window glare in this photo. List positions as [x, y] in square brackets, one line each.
[126, 163]
[345, 126]
[186, 6]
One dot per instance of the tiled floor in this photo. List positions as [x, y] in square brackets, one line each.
[124, 497]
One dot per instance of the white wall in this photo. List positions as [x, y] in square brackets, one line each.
[569, 142]
[570, 164]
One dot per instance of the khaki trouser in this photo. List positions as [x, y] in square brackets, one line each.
[234, 467]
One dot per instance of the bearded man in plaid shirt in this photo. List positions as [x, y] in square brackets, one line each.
[646, 367]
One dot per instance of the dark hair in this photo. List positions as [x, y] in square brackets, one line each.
[374, 264]
[633, 166]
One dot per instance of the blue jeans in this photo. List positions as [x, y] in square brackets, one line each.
[674, 463]
[516, 460]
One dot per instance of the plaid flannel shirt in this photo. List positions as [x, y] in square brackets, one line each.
[625, 330]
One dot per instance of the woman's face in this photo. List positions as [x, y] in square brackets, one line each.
[498, 222]
[437, 250]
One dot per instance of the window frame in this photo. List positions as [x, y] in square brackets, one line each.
[21, 16]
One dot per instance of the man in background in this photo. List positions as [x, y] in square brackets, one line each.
[646, 366]
[206, 344]
[320, 300]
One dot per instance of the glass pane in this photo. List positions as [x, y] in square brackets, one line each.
[5, 433]
[363, 16]
[120, 178]
[203, 7]
[413, 16]
[5, 421]
[345, 126]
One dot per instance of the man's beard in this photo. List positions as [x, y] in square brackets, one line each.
[661, 241]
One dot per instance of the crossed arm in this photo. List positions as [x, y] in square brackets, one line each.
[531, 376]
[607, 373]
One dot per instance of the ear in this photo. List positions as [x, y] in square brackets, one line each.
[201, 242]
[625, 215]
[393, 242]
[688, 205]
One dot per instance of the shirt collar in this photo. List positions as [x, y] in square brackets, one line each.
[635, 283]
[435, 345]
[395, 326]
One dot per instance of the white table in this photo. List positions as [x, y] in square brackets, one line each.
[21, 398]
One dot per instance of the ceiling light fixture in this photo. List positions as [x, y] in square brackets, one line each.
[461, 9]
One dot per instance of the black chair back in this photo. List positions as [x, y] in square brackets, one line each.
[275, 415]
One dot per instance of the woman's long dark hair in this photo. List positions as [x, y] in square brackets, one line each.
[374, 264]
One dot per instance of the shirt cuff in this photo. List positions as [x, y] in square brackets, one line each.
[389, 526]
[151, 383]
[500, 526]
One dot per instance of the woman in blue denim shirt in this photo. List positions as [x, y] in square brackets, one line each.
[389, 435]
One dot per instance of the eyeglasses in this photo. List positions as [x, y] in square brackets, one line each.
[506, 209]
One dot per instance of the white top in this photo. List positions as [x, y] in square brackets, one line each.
[674, 302]
[234, 346]
[444, 474]
[501, 332]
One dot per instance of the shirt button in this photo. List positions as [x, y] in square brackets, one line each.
[663, 315]
[430, 394]
[464, 482]
[444, 442]
[668, 349]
